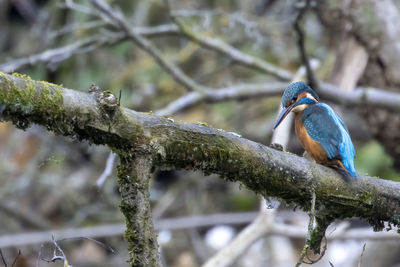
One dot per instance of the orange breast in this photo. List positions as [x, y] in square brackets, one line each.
[313, 148]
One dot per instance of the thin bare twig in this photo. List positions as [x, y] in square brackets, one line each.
[70, 4]
[58, 257]
[39, 255]
[253, 232]
[62, 257]
[16, 258]
[119, 21]
[107, 171]
[85, 45]
[319, 257]
[312, 81]
[236, 55]
[103, 245]
[310, 229]
[2, 258]
[75, 27]
[195, 13]
[57, 54]
[362, 253]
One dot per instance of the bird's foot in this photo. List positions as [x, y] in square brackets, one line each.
[276, 146]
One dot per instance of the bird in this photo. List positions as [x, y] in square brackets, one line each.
[320, 130]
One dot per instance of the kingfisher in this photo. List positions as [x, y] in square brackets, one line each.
[321, 131]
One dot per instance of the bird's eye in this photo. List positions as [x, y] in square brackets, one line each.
[293, 100]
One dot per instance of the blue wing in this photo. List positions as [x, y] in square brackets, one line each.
[326, 127]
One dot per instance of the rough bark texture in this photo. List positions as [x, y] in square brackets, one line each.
[171, 145]
[133, 179]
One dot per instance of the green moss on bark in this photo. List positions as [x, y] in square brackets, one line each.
[32, 101]
[133, 179]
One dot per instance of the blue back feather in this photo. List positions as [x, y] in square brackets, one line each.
[326, 127]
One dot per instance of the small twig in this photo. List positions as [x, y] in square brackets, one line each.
[119, 97]
[234, 54]
[118, 20]
[60, 250]
[79, 8]
[16, 258]
[226, 49]
[262, 225]
[312, 261]
[90, 43]
[56, 55]
[108, 169]
[103, 245]
[312, 81]
[2, 258]
[312, 213]
[75, 27]
[362, 253]
[310, 229]
[56, 257]
[62, 256]
[195, 13]
[39, 255]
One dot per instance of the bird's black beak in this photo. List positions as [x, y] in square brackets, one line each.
[283, 114]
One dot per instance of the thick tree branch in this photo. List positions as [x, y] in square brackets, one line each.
[172, 145]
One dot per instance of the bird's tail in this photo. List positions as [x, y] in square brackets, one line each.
[348, 166]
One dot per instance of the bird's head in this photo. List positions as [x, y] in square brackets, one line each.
[296, 97]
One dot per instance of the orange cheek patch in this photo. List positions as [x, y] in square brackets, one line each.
[302, 94]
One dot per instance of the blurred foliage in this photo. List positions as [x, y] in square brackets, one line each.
[372, 160]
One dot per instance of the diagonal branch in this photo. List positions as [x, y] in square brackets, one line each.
[119, 21]
[83, 46]
[234, 54]
[312, 81]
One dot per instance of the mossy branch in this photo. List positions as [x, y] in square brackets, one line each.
[173, 145]
[133, 178]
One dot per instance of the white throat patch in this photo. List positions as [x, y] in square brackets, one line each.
[299, 108]
[311, 97]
